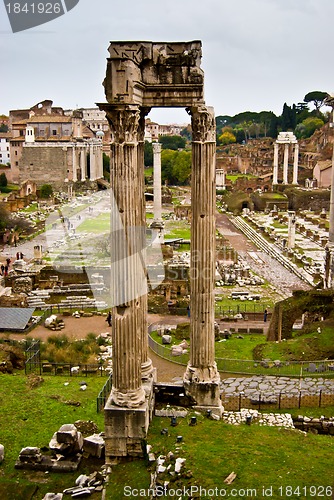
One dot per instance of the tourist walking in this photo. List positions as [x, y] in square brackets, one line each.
[109, 318]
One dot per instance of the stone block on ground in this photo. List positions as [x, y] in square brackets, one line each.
[94, 445]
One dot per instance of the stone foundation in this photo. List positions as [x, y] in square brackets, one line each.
[126, 428]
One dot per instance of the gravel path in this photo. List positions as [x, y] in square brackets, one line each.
[265, 266]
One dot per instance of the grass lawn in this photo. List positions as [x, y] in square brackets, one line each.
[177, 229]
[308, 346]
[235, 348]
[99, 224]
[29, 417]
[260, 456]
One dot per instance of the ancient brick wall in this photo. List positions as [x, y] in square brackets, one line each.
[44, 165]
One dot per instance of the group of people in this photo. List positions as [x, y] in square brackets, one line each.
[5, 267]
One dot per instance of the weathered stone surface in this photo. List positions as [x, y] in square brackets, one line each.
[94, 445]
[22, 285]
[2, 453]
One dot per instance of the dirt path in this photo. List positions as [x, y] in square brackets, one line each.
[78, 328]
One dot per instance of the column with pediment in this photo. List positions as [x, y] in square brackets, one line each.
[201, 378]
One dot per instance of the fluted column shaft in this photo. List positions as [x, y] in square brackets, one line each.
[202, 368]
[202, 254]
[285, 164]
[74, 165]
[295, 164]
[157, 180]
[146, 362]
[275, 170]
[127, 277]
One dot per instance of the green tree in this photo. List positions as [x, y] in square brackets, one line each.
[187, 133]
[308, 127]
[317, 97]
[173, 142]
[3, 180]
[106, 166]
[175, 166]
[46, 191]
[227, 138]
[182, 167]
[288, 118]
[148, 154]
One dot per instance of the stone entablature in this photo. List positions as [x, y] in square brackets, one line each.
[154, 74]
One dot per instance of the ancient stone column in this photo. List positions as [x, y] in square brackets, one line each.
[74, 164]
[220, 178]
[126, 241]
[100, 163]
[157, 225]
[83, 164]
[201, 378]
[329, 255]
[275, 170]
[92, 162]
[146, 362]
[295, 164]
[157, 180]
[291, 228]
[285, 164]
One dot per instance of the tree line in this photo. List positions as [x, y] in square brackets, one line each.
[298, 118]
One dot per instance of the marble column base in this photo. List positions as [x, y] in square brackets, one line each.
[126, 428]
[202, 385]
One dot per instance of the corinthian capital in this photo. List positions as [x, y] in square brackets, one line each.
[203, 124]
[123, 122]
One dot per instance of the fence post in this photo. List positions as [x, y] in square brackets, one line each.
[320, 394]
[259, 401]
[299, 399]
[279, 400]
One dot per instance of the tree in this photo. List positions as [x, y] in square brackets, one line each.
[4, 218]
[182, 167]
[317, 97]
[46, 191]
[106, 166]
[173, 142]
[3, 180]
[308, 127]
[288, 118]
[227, 138]
[175, 166]
[148, 154]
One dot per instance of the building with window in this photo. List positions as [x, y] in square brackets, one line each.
[48, 146]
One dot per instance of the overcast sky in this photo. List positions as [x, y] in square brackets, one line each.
[257, 54]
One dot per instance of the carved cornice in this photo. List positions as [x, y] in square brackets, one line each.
[203, 124]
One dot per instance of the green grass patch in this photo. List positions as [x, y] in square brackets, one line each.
[235, 348]
[29, 417]
[99, 224]
[177, 229]
[214, 449]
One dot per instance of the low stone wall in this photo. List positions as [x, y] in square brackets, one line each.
[320, 425]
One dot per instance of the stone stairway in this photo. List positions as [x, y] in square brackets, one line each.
[270, 249]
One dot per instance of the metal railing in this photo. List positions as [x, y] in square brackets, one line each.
[251, 367]
[279, 401]
[103, 394]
